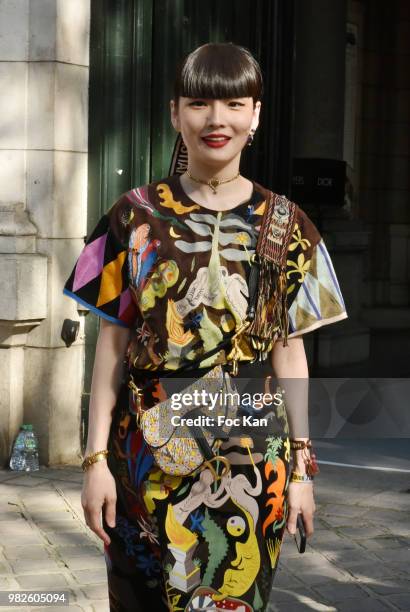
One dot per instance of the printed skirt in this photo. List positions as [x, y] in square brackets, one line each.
[192, 543]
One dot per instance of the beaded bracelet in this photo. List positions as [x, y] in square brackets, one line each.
[309, 458]
[93, 458]
[300, 444]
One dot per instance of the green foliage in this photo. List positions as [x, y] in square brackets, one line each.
[274, 445]
[217, 544]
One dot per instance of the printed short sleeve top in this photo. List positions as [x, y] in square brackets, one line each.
[176, 273]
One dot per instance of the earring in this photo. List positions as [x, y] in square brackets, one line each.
[250, 138]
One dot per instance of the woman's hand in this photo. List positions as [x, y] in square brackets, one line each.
[300, 497]
[99, 494]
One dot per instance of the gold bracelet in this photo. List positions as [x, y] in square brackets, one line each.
[295, 477]
[93, 458]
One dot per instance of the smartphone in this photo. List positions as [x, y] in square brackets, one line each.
[300, 535]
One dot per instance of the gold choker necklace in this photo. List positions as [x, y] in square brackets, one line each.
[213, 183]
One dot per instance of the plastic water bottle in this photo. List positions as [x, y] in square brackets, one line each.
[24, 456]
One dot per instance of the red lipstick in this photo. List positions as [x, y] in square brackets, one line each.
[216, 141]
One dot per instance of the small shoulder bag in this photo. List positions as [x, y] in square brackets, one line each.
[187, 439]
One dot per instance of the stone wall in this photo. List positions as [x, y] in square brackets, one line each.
[43, 209]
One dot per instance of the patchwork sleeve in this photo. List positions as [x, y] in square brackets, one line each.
[314, 297]
[100, 278]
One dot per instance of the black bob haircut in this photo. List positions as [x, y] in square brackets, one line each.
[218, 71]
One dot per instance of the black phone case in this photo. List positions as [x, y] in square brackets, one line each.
[301, 528]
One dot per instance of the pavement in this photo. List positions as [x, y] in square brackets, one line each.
[357, 559]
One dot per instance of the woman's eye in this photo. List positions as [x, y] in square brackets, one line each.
[232, 103]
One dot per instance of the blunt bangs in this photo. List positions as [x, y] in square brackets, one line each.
[217, 71]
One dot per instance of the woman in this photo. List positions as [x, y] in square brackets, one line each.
[167, 269]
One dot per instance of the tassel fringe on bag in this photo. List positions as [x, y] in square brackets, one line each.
[271, 314]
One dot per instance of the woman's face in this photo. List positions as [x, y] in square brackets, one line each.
[200, 120]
